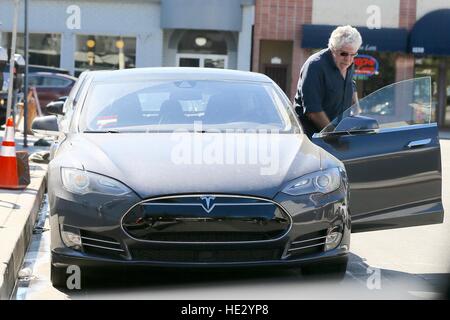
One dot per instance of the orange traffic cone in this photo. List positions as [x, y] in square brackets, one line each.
[8, 161]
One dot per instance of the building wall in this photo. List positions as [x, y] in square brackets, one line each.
[355, 12]
[245, 38]
[137, 18]
[140, 19]
[282, 20]
[426, 6]
[405, 63]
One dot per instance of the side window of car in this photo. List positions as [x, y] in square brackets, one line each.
[70, 104]
[55, 82]
[35, 81]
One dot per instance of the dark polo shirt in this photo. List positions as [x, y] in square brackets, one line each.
[321, 87]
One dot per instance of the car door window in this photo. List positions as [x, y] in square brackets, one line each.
[70, 104]
[398, 105]
[55, 82]
[35, 81]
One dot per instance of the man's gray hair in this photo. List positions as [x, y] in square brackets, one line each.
[344, 35]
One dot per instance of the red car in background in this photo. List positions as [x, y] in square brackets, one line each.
[50, 86]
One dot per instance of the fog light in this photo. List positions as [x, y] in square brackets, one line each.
[333, 238]
[71, 237]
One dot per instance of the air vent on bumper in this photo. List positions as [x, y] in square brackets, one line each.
[308, 244]
[94, 243]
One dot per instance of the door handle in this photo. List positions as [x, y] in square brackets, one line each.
[419, 143]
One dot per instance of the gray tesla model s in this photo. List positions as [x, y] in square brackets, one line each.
[188, 167]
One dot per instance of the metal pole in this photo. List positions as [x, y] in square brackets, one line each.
[11, 59]
[25, 89]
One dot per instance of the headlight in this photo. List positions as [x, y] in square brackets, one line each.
[320, 181]
[83, 182]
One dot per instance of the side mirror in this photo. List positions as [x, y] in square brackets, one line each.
[355, 124]
[47, 126]
[63, 99]
[55, 107]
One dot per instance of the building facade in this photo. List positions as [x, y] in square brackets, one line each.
[107, 34]
[402, 39]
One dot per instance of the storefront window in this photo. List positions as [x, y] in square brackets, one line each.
[44, 48]
[206, 42]
[104, 53]
[373, 71]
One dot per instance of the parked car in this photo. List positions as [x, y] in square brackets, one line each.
[50, 83]
[141, 177]
[50, 86]
[32, 68]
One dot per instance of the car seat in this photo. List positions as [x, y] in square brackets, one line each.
[171, 112]
[223, 108]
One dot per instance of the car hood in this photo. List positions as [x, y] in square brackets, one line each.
[165, 163]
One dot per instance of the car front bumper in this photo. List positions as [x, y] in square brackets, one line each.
[106, 243]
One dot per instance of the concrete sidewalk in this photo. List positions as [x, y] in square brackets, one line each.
[18, 212]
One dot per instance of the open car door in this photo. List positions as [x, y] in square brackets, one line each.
[391, 151]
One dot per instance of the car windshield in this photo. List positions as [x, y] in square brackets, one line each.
[161, 106]
[397, 105]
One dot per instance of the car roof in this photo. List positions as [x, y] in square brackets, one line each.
[177, 73]
[52, 74]
[40, 68]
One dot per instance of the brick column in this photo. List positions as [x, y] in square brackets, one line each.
[404, 67]
[404, 64]
[282, 20]
[299, 55]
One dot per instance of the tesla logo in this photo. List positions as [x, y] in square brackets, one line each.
[208, 203]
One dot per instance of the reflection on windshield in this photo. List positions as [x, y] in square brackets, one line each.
[172, 105]
[400, 104]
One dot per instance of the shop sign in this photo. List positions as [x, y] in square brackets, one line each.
[368, 47]
[365, 66]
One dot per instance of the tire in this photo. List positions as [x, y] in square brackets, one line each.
[334, 270]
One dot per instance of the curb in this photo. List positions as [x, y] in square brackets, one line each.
[16, 232]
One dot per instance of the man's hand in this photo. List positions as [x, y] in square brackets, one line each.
[319, 119]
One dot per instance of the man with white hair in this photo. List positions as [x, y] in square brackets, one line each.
[325, 87]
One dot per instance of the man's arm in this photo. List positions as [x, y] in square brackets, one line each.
[319, 119]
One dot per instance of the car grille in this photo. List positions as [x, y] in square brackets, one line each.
[170, 255]
[194, 219]
[308, 244]
[207, 237]
[94, 243]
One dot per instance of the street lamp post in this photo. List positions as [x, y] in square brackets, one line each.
[11, 58]
[25, 89]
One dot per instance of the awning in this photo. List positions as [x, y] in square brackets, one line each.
[431, 34]
[384, 39]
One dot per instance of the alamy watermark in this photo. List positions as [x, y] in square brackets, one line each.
[73, 281]
[254, 147]
[374, 19]
[374, 280]
[73, 21]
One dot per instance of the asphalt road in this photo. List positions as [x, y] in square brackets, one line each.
[409, 263]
